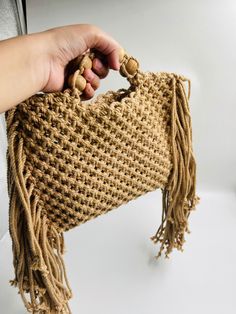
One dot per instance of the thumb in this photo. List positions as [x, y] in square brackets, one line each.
[106, 45]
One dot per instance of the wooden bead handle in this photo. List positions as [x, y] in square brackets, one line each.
[128, 68]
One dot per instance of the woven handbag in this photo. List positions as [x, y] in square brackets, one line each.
[70, 161]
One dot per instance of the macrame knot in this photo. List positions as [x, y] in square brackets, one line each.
[129, 66]
[38, 265]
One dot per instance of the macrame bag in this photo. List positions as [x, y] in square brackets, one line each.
[70, 161]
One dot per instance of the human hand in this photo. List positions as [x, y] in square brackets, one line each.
[71, 41]
[37, 62]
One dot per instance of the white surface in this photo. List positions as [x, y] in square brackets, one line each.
[112, 271]
[109, 260]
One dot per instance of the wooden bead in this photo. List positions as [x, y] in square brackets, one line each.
[131, 66]
[76, 62]
[86, 63]
[80, 82]
[121, 54]
[82, 62]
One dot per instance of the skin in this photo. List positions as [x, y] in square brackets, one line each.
[37, 62]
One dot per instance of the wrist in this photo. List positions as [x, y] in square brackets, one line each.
[38, 58]
[25, 64]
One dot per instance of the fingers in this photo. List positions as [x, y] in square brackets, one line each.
[106, 45]
[99, 68]
[93, 83]
[71, 41]
[93, 76]
[88, 92]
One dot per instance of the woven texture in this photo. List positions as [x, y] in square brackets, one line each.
[87, 159]
[70, 161]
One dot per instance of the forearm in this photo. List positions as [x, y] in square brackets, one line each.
[21, 69]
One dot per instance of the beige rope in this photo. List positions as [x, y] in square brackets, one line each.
[69, 162]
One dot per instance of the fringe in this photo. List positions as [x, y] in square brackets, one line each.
[37, 246]
[179, 196]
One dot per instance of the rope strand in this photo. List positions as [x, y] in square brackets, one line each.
[35, 273]
[179, 195]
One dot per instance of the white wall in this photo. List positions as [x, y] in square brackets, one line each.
[109, 260]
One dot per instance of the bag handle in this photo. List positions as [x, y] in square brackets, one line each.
[129, 67]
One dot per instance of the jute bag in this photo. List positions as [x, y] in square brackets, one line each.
[70, 161]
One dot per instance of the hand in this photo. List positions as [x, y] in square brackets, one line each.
[71, 41]
[37, 62]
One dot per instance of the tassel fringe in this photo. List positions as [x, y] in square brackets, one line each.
[179, 196]
[37, 246]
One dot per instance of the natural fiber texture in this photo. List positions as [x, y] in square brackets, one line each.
[71, 161]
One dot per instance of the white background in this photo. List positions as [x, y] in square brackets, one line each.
[110, 260]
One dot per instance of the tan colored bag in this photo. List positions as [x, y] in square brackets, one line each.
[70, 161]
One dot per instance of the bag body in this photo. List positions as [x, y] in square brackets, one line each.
[70, 161]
